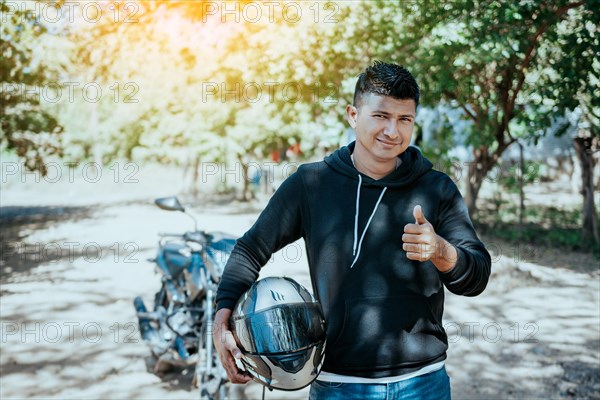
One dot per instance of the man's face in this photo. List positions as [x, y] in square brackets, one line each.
[383, 126]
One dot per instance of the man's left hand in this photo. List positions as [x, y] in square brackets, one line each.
[421, 243]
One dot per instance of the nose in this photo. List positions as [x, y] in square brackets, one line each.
[391, 129]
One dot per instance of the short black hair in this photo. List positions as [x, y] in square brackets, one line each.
[387, 79]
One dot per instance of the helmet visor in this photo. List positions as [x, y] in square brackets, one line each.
[281, 329]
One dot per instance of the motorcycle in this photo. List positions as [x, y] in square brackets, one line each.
[179, 328]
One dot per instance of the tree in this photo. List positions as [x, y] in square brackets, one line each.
[577, 67]
[26, 126]
[153, 69]
[489, 59]
[584, 146]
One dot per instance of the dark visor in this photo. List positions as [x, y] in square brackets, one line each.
[281, 329]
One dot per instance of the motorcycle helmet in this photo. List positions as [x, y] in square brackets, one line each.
[280, 329]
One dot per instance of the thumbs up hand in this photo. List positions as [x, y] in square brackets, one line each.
[421, 243]
[420, 239]
[419, 217]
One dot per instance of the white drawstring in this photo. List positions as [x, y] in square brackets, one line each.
[355, 248]
[356, 215]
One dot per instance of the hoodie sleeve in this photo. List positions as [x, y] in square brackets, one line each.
[470, 275]
[278, 225]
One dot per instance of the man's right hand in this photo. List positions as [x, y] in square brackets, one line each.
[227, 348]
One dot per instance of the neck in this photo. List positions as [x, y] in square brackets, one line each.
[372, 168]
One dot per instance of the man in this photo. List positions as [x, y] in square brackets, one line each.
[384, 234]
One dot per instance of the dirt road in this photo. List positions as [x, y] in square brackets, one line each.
[68, 329]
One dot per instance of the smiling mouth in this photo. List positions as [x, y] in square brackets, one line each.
[388, 143]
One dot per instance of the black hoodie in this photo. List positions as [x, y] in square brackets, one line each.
[383, 311]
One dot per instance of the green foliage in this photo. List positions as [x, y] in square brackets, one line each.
[490, 60]
[508, 68]
[546, 226]
[443, 136]
[26, 126]
[510, 178]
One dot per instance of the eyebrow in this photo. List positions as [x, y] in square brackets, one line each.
[387, 113]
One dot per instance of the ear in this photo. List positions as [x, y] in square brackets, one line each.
[351, 114]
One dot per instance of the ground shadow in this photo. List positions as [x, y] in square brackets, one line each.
[17, 223]
[176, 377]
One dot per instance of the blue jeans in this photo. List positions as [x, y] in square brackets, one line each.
[432, 386]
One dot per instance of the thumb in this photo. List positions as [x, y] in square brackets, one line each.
[231, 346]
[236, 353]
[418, 214]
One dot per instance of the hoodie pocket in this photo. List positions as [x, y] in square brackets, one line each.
[386, 332]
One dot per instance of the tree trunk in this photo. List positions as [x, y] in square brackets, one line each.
[473, 186]
[477, 171]
[195, 175]
[583, 149]
[521, 191]
[94, 136]
[482, 164]
[247, 193]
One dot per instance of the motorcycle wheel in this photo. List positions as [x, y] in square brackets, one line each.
[212, 383]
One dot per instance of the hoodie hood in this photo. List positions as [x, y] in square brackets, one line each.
[413, 166]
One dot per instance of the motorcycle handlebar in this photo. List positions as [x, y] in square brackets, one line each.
[179, 234]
